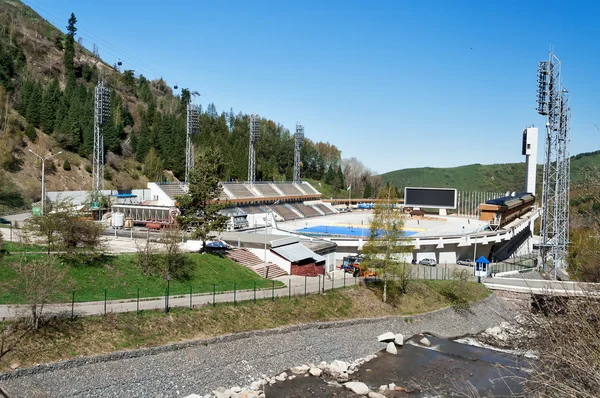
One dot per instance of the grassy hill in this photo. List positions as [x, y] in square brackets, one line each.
[478, 177]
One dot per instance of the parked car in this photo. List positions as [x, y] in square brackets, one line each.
[464, 262]
[428, 261]
[4, 221]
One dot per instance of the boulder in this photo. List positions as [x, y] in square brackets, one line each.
[222, 392]
[315, 372]
[391, 348]
[386, 337]
[399, 339]
[383, 388]
[425, 341]
[391, 386]
[300, 370]
[236, 389]
[357, 387]
[374, 394]
[281, 377]
[193, 396]
[341, 365]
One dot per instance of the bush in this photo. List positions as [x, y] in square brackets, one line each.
[31, 133]
[67, 165]
[88, 168]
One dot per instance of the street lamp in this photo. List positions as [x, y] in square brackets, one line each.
[43, 169]
[265, 266]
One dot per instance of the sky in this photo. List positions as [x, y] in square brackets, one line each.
[396, 84]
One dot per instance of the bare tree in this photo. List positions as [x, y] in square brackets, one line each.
[40, 282]
[386, 246]
[176, 263]
[147, 258]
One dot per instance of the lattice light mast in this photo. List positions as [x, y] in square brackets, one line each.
[101, 118]
[254, 136]
[298, 142]
[553, 102]
[193, 128]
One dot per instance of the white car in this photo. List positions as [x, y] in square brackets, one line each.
[464, 262]
[428, 261]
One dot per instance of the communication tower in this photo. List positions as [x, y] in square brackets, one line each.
[553, 102]
[254, 136]
[101, 118]
[298, 142]
[193, 128]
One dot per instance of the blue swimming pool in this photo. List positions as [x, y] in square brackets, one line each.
[340, 230]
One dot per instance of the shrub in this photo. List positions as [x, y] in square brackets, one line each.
[67, 165]
[88, 168]
[31, 133]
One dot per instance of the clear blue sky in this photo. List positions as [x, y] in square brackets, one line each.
[397, 84]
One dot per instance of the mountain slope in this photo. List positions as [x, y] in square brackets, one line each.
[478, 177]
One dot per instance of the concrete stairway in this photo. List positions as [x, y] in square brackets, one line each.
[248, 259]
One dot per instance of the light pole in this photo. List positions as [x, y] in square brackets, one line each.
[265, 266]
[43, 170]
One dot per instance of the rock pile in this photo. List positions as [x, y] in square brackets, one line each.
[337, 372]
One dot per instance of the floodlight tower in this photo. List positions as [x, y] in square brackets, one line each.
[298, 142]
[193, 128]
[254, 136]
[553, 102]
[101, 118]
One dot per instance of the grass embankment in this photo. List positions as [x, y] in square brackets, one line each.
[63, 339]
[121, 276]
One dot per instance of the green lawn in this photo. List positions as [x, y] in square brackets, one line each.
[16, 247]
[121, 277]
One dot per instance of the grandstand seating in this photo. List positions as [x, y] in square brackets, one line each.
[248, 259]
[289, 189]
[324, 208]
[252, 209]
[284, 212]
[266, 190]
[307, 211]
[309, 189]
[173, 190]
[240, 191]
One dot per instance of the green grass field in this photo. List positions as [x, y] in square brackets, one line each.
[122, 277]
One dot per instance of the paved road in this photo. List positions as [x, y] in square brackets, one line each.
[559, 288]
[295, 286]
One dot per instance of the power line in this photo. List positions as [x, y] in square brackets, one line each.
[108, 48]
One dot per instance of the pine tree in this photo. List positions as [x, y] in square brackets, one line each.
[34, 105]
[50, 103]
[30, 132]
[200, 209]
[69, 54]
[330, 176]
[340, 178]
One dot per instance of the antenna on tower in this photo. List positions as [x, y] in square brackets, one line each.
[298, 142]
[254, 136]
[101, 118]
[553, 102]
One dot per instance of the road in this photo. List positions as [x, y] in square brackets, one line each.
[295, 286]
[536, 286]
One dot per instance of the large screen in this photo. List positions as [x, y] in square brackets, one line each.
[438, 198]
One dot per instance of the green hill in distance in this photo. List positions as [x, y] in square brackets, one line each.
[479, 177]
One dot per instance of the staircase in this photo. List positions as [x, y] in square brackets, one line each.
[249, 260]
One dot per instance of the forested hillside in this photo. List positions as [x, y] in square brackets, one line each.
[47, 82]
[492, 177]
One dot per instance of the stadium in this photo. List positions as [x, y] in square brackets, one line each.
[288, 228]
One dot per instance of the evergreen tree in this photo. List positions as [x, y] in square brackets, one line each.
[69, 54]
[66, 165]
[369, 189]
[340, 178]
[34, 105]
[30, 132]
[50, 103]
[330, 176]
[200, 209]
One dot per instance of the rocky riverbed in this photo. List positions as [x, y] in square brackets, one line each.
[201, 367]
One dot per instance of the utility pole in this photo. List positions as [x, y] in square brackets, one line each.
[254, 136]
[193, 128]
[101, 118]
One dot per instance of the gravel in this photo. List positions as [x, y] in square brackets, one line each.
[236, 360]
